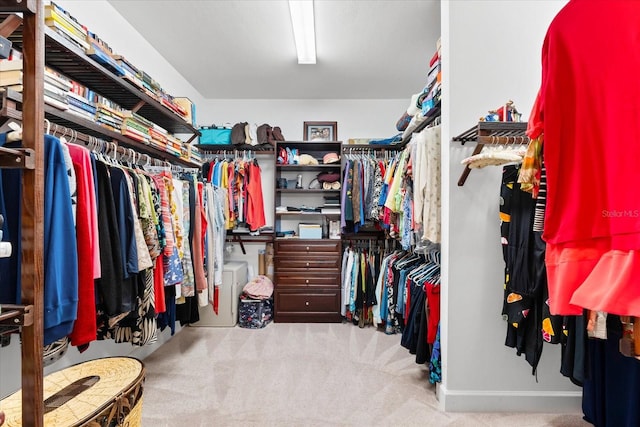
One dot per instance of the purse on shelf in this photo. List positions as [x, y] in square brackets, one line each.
[215, 135]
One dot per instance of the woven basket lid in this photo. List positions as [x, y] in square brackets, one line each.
[115, 375]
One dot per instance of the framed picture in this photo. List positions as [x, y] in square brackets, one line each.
[320, 131]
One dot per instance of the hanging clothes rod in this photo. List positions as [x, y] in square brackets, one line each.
[211, 155]
[491, 133]
[100, 145]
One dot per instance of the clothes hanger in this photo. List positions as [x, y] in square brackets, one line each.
[16, 132]
[63, 138]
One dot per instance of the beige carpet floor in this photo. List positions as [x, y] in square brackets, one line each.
[301, 375]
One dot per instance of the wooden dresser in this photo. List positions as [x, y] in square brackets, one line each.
[307, 280]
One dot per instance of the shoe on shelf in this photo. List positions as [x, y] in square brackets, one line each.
[270, 138]
[262, 133]
[277, 134]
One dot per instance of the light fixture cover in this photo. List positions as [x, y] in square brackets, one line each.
[304, 32]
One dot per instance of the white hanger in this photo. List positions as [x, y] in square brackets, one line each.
[16, 132]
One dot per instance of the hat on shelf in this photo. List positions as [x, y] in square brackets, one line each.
[328, 176]
[307, 159]
[330, 158]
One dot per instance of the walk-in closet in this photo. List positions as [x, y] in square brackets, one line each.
[318, 212]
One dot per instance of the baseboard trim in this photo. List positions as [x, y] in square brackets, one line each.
[509, 401]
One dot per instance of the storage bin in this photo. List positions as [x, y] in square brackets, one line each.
[310, 231]
[234, 276]
[100, 392]
[255, 313]
[215, 136]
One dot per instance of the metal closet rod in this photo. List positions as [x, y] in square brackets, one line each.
[102, 146]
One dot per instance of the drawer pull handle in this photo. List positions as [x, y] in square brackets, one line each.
[307, 264]
[307, 247]
[307, 280]
[306, 303]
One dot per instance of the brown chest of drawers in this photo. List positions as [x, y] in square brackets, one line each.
[307, 280]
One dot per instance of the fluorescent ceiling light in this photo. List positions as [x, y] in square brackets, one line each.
[304, 31]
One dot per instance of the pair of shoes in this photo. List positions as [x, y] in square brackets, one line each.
[262, 133]
[267, 135]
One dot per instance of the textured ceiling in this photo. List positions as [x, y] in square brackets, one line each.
[245, 49]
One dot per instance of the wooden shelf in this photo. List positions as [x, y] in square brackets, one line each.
[305, 190]
[22, 158]
[305, 146]
[284, 168]
[18, 6]
[214, 148]
[16, 315]
[484, 131]
[431, 117]
[491, 133]
[12, 105]
[364, 147]
[306, 214]
[71, 61]
[242, 238]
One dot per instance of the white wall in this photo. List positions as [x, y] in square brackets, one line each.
[491, 53]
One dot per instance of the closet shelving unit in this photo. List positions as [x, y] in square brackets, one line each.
[317, 149]
[487, 133]
[307, 271]
[11, 108]
[29, 315]
[71, 61]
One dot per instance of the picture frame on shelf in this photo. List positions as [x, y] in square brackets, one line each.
[334, 230]
[320, 131]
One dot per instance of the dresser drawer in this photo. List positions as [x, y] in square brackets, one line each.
[301, 279]
[299, 247]
[308, 302]
[306, 263]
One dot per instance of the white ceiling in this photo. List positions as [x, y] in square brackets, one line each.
[245, 50]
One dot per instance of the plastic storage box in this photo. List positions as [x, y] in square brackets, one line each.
[310, 231]
[234, 277]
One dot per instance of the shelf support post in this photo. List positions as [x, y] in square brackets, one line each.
[32, 217]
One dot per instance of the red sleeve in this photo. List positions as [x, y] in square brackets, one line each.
[535, 126]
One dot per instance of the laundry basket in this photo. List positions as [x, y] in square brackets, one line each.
[98, 393]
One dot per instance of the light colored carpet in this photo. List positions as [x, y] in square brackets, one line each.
[301, 375]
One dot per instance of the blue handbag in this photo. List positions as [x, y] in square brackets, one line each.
[213, 135]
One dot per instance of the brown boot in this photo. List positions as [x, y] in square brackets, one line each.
[270, 138]
[277, 134]
[262, 133]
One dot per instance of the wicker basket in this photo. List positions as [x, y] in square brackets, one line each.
[97, 393]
